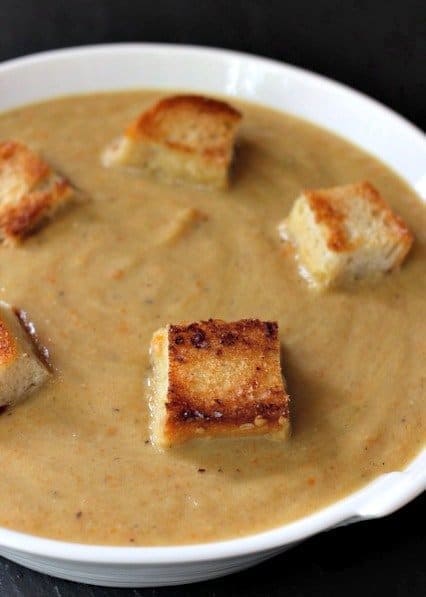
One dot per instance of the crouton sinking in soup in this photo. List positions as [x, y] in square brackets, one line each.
[184, 138]
[213, 378]
[30, 192]
[345, 233]
[23, 367]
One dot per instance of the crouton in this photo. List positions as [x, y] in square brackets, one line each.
[23, 367]
[30, 192]
[345, 233]
[213, 378]
[184, 138]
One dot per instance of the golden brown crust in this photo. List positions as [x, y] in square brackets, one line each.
[330, 208]
[20, 221]
[325, 213]
[22, 364]
[16, 157]
[162, 122]
[225, 378]
[29, 191]
[149, 122]
[8, 348]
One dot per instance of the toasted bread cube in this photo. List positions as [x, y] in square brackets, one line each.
[30, 192]
[22, 365]
[186, 138]
[345, 233]
[213, 378]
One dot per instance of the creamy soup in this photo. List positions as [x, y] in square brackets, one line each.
[77, 463]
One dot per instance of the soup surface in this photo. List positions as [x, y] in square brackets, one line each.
[77, 463]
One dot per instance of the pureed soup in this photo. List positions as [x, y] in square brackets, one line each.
[77, 463]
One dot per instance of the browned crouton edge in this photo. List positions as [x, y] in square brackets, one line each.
[258, 397]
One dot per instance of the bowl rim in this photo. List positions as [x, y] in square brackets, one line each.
[45, 55]
[398, 488]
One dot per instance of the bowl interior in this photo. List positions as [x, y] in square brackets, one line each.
[348, 113]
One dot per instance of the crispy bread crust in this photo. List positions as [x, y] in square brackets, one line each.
[18, 157]
[154, 123]
[8, 344]
[43, 192]
[8, 348]
[329, 210]
[22, 365]
[18, 222]
[225, 378]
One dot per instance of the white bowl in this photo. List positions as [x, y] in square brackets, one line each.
[352, 115]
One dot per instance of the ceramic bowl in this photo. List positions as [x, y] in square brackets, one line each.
[348, 113]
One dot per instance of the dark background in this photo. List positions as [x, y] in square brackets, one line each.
[378, 47]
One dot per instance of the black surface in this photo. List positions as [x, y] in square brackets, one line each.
[377, 47]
